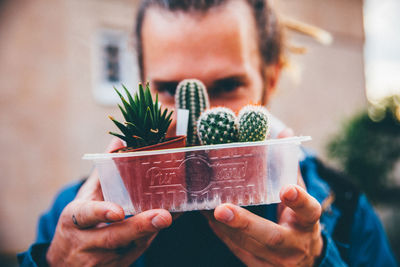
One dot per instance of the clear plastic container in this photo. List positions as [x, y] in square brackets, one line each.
[198, 178]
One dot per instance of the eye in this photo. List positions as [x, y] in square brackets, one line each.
[166, 87]
[227, 86]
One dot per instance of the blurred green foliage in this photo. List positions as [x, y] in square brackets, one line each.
[368, 150]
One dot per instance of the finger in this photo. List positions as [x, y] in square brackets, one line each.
[287, 132]
[300, 180]
[114, 144]
[91, 189]
[301, 183]
[85, 214]
[245, 256]
[131, 253]
[246, 243]
[262, 230]
[306, 208]
[124, 233]
[176, 215]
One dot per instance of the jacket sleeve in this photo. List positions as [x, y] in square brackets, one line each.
[36, 254]
[368, 243]
[330, 255]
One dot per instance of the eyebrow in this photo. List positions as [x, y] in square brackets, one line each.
[163, 84]
[241, 78]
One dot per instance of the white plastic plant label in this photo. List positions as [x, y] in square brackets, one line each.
[182, 122]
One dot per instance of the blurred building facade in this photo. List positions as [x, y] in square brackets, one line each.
[55, 76]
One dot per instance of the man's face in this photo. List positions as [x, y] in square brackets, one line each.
[219, 48]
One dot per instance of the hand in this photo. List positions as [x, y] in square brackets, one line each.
[294, 241]
[91, 231]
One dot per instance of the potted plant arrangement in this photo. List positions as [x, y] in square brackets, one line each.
[236, 168]
[175, 181]
[225, 167]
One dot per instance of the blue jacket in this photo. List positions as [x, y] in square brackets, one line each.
[194, 244]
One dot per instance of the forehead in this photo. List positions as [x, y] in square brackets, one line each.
[216, 44]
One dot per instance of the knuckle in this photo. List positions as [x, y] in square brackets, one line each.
[315, 214]
[69, 210]
[304, 249]
[63, 217]
[244, 225]
[139, 226]
[241, 240]
[109, 241]
[316, 232]
[275, 238]
[97, 210]
[301, 203]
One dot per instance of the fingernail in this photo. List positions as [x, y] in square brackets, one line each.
[287, 132]
[112, 216]
[225, 215]
[291, 193]
[159, 222]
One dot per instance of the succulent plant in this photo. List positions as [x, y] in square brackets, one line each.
[191, 94]
[145, 121]
[217, 126]
[253, 124]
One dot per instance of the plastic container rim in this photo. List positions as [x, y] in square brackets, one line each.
[287, 140]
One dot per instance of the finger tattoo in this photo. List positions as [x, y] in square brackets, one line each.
[74, 220]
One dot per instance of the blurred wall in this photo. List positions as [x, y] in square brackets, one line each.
[327, 84]
[49, 117]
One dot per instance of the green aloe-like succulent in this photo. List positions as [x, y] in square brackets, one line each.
[145, 121]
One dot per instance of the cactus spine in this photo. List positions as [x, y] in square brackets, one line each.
[217, 126]
[192, 95]
[253, 124]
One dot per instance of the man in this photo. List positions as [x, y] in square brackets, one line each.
[235, 48]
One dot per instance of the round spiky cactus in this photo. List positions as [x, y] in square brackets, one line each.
[191, 94]
[253, 124]
[217, 126]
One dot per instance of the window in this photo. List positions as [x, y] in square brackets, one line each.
[111, 63]
[114, 63]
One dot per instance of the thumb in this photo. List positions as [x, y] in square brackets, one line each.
[114, 144]
[287, 132]
[91, 189]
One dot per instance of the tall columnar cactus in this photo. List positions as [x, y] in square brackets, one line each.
[217, 126]
[192, 95]
[253, 124]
